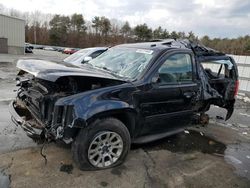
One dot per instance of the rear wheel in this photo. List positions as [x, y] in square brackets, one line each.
[104, 144]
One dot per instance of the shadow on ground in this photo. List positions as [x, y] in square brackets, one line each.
[186, 143]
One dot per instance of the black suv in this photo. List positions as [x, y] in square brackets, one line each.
[132, 93]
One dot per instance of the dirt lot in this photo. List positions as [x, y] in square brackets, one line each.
[217, 155]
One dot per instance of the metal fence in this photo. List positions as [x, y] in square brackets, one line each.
[243, 63]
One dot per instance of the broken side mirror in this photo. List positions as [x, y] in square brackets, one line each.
[156, 79]
[86, 59]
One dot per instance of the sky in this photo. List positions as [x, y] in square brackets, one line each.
[221, 18]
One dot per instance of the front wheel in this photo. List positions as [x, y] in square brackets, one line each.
[103, 145]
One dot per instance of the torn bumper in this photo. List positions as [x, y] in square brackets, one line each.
[20, 120]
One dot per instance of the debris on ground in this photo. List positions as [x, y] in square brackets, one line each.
[67, 168]
[233, 159]
[244, 98]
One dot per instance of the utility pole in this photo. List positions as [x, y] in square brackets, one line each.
[35, 34]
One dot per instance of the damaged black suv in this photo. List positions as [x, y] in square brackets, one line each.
[132, 93]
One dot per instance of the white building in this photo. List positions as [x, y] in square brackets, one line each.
[12, 35]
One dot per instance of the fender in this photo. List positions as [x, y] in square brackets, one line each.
[92, 103]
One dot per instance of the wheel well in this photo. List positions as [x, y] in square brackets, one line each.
[127, 118]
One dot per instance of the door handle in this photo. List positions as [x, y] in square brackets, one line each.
[189, 94]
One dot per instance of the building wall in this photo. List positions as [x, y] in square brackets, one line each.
[14, 30]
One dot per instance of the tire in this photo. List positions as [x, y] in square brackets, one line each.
[96, 132]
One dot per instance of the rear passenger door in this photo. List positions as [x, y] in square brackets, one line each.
[168, 103]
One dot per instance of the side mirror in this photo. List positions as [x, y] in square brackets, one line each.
[156, 79]
[86, 59]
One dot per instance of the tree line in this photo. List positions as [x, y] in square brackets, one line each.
[76, 31]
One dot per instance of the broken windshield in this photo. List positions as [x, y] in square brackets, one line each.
[124, 62]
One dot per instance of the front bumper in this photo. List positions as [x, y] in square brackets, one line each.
[18, 117]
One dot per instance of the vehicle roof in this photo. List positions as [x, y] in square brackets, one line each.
[161, 44]
[153, 45]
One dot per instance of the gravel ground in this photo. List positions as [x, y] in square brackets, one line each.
[217, 155]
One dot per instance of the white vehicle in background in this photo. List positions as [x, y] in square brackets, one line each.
[49, 48]
[85, 55]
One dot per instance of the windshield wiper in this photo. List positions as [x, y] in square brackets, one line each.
[111, 72]
[116, 74]
[107, 69]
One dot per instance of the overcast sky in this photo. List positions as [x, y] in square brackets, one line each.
[221, 18]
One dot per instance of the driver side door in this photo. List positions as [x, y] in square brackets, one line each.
[168, 101]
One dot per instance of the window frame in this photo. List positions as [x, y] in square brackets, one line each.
[163, 59]
[222, 68]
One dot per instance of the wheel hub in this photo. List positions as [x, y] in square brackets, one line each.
[105, 149]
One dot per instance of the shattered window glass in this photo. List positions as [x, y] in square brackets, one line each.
[124, 62]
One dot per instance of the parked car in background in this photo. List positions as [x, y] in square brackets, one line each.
[59, 49]
[133, 93]
[84, 55]
[28, 48]
[28, 45]
[70, 50]
[49, 48]
[39, 47]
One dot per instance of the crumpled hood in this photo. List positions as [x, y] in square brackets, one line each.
[51, 71]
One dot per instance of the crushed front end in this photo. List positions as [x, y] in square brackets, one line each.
[37, 108]
[35, 111]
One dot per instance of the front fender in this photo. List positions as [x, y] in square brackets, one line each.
[87, 105]
[88, 110]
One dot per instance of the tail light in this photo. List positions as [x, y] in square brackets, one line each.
[236, 87]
